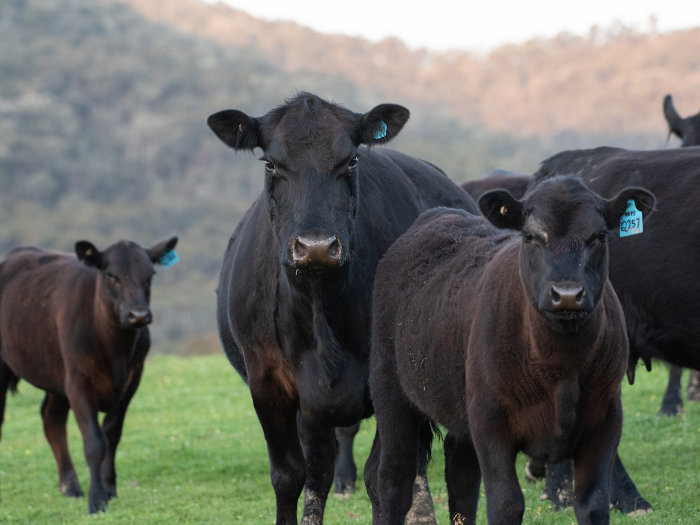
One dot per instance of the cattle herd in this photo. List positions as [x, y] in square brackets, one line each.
[505, 313]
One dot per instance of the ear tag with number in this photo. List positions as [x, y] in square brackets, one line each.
[168, 259]
[631, 220]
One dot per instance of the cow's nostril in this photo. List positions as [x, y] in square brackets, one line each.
[316, 251]
[139, 318]
[567, 297]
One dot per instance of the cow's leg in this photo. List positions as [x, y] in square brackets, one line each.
[397, 450]
[319, 446]
[345, 472]
[370, 474]
[54, 413]
[463, 478]
[505, 503]
[693, 390]
[422, 511]
[277, 413]
[112, 428]
[82, 401]
[6, 377]
[624, 495]
[559, 484]
[672, 403]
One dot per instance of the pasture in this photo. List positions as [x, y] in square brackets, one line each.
[192, 451]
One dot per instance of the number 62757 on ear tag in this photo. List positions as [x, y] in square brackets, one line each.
[631, 220]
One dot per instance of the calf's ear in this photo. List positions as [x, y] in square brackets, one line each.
[502, 209]
[88, 253]
[675, 122]
[382, 123]
[644, 200]
[235, 129]
[157, 251]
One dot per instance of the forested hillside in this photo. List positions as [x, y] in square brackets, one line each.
[103, 107]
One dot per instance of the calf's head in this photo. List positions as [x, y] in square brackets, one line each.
[687, 129]
[312, 164]
[564, 247]
[124, 273]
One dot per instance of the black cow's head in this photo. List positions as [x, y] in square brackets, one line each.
[124, 277]
[687, 129]
[564, 250]
[312, 163]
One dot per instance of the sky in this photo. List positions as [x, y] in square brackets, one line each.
[472, 25]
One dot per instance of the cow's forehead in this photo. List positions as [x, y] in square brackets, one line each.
[562, 206]
[127, 257]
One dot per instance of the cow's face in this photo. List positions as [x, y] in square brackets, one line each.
[312, 166]
[125, 270]
[687, 129]
[564, 247]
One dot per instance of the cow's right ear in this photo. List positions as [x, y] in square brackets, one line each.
[235, 129]
[88, 253]
[382, 123]
[644, 201]
[502, 209]
[675, 121]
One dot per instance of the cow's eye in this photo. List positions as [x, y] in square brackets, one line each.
[602, 236]
[528, 237]
[270, 167]
[352, 165]
[112, 280]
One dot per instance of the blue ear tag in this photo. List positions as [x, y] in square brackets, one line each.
[168, 259]
[381, 132]
[631, 220]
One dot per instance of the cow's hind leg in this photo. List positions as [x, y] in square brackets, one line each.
[54, 413]
[345, 472]
[672, 402]
[319, 446]
[463, 478]
[7, 381]
[693, 390]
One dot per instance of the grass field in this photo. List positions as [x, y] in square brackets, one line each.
[193, 452]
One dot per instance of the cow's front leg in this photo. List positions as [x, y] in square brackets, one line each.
[319, 446]
[54, 414]
[345, 473]
[83, 402]
[112, 427]
[463, 477]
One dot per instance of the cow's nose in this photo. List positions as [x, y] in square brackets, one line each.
[316, 252]
[567, 297]
[139, 318]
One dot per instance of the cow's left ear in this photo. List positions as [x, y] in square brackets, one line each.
[157, 251]
[88, 253]
[382, 123]
[502, 209]
[236, 129]
[644, 201]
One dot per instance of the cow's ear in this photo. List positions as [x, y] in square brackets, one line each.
[675, 122]
[157, 251]
[382, 123]
[644, 201]
[88, 253]
[502, 209]
[235, 129]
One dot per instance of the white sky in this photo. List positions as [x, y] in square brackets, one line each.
[475, 25]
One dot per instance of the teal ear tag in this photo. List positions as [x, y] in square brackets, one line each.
[631, 220]
[381, 132]
[168, 259]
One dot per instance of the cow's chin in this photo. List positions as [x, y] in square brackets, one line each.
[312, 270]
[566, 321]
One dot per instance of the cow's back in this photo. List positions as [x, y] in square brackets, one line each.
[651, 272]
[38, 289]
[394, 189]
[444, 251]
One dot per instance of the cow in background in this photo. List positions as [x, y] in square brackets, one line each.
[688, 130]
[77, 328]
[294, 292]
[511, 340]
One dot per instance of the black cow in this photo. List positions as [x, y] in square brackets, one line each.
[515, 183]
[512, 341]
[78, 329]
[294, 293]
[649, 271]
[688, 130]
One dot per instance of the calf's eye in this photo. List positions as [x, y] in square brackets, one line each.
[270, 167]
[352, 165]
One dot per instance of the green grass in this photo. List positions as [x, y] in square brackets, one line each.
[193, 452]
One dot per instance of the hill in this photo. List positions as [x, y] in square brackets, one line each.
[103, 107]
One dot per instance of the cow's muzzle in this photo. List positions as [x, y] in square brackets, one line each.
[567, 297]
[139, 318]
[316, 251]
